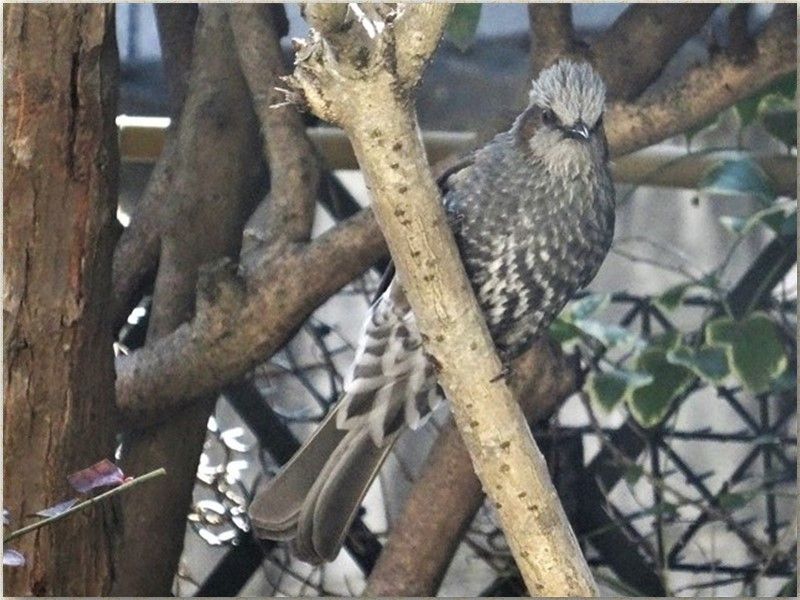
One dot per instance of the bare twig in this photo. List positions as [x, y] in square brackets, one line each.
[85, 504]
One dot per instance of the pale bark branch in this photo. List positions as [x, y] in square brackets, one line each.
[288, 212]
[417, 32]
[376, 112]
[447, 494]
[704, 91]
[632, 53]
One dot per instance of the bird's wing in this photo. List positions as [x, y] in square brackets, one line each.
[391, 381]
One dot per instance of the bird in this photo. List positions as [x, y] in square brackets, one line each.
[532, 212]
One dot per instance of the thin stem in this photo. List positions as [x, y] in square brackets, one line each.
[117, 490]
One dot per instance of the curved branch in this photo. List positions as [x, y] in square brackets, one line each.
[294, 167]
[631, 54]
[137, 250]
[239, 322]
[176, 23]
[704, 91]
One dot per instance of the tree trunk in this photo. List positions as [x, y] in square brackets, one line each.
[60, 162]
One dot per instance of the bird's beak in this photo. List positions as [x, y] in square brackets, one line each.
[579, 131]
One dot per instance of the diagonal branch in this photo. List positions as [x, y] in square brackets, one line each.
[240, 322]
[704, 91]
[376, 111]
[631, 54]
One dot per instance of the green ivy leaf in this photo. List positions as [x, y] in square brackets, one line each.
[463, 24]
[562, 331]
[778, 114]
[741, 176]
[730, 501]
[650, 403]
[607, 390]
[708, 362]
[785, 86]
[586, 306]
[666, 341]
[673, 297]
[753, 348]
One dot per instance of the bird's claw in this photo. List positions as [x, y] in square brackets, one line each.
[503, 374]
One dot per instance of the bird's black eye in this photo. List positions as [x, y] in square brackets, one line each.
[599, 123]
[548, 117]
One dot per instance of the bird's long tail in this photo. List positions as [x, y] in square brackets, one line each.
[315, 497]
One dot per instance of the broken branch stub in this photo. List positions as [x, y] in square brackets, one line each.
[368, 94]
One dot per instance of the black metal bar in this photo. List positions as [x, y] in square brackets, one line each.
[772, 529]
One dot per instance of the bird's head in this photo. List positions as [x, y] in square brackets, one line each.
[564, 121]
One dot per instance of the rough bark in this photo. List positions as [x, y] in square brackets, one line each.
[447, 494]
[60, 167]
[631, 54]
[370, 99]
[209, 201]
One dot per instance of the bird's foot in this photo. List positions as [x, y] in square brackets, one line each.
[503, 374]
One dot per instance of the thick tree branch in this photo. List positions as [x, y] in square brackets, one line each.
[704, 91]
[288, 213]
[447, 494]
[416, 35]
[175, 24]
[376, 112]
[631, 54]
[240, 322]
[553, 35]
[137, 250]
